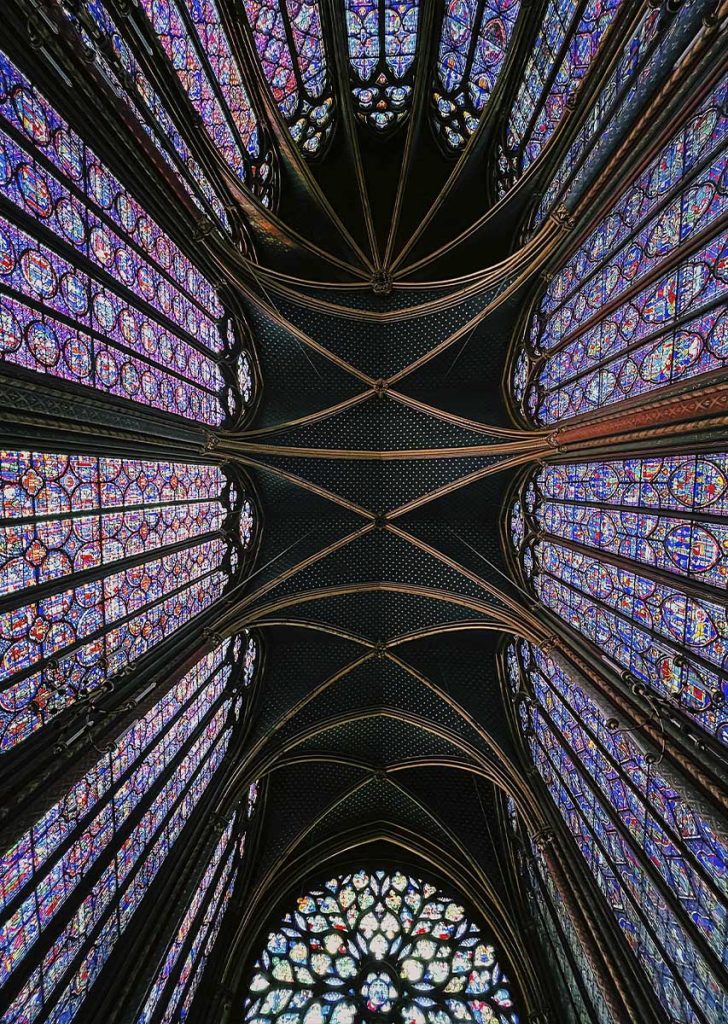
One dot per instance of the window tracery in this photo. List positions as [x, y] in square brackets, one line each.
[108, 837]
[581, 995]
[659, 863]
[659, 34]
[103, 558]
[288, 38]
[187, 954]
[565, 47]
[93, 291]
[629, 552]
[639, 305]
[192, 37]
[382, 39]
[378, 946]
[474, 41]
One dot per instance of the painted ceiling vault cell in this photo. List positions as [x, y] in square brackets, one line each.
[363, 512]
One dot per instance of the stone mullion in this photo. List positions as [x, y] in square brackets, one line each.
[214, 1000]
[60, 920]
[669, 329]
[180, 886]
[688, 750]
[162, 75]
[706, 951]
[84, 98]
[564, 145]
[603, 943]
[38, 773]
[630, 897]
[612, 963]
[658, 714]
[560, 937]
[643, 140]
[674, 778]
[669, 642]
[688, 585]
[627, 109]
[519, 883]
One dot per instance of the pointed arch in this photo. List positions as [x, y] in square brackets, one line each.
[382, 39]
[92, 291]
[475, 37]
[109, 836]
[628, 552]
[566, 44]
[289, 40]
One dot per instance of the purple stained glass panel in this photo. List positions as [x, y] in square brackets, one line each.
[636, 831]
[471, 54]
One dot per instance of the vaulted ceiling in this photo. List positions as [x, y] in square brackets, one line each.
[382, 451]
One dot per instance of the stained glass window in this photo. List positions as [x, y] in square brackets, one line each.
[121, 69]
[631, 553]
[131, 315]
[100, 560]
[375, 947]
[288, 39]
[382, 37]
[180, 974]
[474, 40]
[658, 861]
[567, 42]
[106, 840]
[581, 998]
[639, 305]
[646, 56]
[193, 39]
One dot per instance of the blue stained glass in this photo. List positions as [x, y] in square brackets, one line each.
[147, 536]
[202, 945]
[222, 103]
[631, 553]
[639, 834]
[222, 851]
[419, 945]
[104, 914]
[601, 333]
[565, 47]
[132, 316]
[470, 58]
[382, 79]
[121, 67]
[53, 887]
[296, 75]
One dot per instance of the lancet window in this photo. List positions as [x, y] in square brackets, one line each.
[657, 858]
[378, 946]
[101, 846]
[566, 44]
[382, 39]
[177, 981]
[581, 997]
[92, 291]
[101, 35]
[474, 41]
[631, 553]
[193, 39]
[288, 38]
[659, 37]
[103, 558]
[638, 306]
